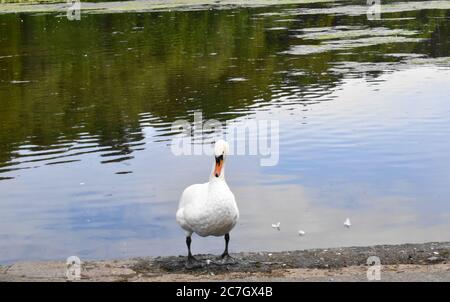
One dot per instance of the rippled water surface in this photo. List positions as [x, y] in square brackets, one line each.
[86, 109]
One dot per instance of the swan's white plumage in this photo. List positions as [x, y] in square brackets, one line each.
[209, 209]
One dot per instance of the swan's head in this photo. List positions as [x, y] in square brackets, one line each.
[221, 149]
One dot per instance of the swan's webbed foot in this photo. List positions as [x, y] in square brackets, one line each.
[225, 255]
[225, 258]
[192, 262]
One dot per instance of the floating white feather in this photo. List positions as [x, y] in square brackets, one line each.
[276, 226]
[347, 223]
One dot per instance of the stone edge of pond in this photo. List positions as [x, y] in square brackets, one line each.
[424, 253]
[155, 268]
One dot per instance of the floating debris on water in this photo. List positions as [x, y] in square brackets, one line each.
[276, 28]
[297, 73]
[276, 225]
[301, 233]
[233, 80]
[19, 82]
[124, 172]
[347, 223]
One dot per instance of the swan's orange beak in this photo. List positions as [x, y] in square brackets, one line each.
[219, 165]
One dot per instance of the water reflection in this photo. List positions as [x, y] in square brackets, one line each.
[85, 162]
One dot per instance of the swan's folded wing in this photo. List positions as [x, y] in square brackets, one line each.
[194, 194]
[192, 197]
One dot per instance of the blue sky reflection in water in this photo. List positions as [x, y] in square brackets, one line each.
[85, 161]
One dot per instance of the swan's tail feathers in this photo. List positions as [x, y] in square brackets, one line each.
[180, 216]
[182, 222]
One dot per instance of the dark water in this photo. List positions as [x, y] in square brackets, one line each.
[86, 110]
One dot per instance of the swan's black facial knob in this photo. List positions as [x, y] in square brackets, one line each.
[217, 174]
[219, 159]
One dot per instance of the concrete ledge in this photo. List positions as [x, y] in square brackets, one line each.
[406, 262]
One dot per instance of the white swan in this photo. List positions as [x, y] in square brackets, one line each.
[209, 209]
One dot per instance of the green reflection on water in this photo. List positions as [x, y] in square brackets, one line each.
[62, 81]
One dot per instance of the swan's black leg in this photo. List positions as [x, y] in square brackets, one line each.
[188, 243]
[191, 262]
[225, 258]
[225, 253]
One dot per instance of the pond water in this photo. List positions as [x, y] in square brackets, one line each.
[86, 109]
